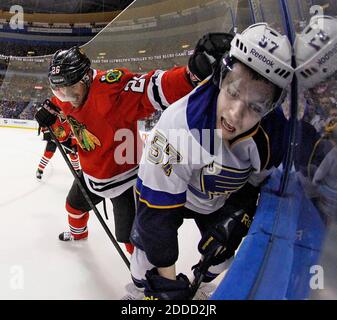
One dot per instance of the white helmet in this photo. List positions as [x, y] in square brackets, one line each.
[316, 51]
[266, 51]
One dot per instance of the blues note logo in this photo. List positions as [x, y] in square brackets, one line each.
[219, 180]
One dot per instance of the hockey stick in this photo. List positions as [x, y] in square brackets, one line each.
[203, 268]
[87, 198]
[67, 149]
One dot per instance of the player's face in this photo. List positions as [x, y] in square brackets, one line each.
[242, 102]
[74, 94]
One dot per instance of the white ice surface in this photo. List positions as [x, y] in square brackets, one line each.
[34, 264]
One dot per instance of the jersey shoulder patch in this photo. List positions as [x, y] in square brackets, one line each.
[112, 76]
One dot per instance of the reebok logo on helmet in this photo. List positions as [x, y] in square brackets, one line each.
[58, 80]
[327, 56]
[262, 58]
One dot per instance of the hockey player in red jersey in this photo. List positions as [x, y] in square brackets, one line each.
[102, 108]
[62, 132]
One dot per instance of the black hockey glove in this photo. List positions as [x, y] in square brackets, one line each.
[160, 288]
[207, 54]
[46, 114]
[46, 136]
[223, 239]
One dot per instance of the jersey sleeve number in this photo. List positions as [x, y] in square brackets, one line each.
[137, 84]
[161, 152]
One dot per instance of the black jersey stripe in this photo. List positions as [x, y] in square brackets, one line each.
[99, 187]
[155, 91]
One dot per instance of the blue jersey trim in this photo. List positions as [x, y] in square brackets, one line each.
[159, 199]
[201, 113]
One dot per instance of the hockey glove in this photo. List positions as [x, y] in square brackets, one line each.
[207, 54]
[46, 114]
[46, 136]
[160, 288]
[223, 239]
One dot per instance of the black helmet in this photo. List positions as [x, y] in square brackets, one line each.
[68, 67]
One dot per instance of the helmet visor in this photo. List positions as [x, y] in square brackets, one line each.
[68, 93]
[256, 93]
[230, 82]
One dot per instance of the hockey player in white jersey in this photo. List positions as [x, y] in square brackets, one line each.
[206, 158]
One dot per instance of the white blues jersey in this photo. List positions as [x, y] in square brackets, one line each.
[185, 162]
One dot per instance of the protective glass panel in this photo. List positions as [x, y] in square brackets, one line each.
[264, 11]
[316, 140]
[148, 35]
[141, 40]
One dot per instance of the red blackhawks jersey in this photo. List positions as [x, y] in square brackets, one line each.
[105, 126]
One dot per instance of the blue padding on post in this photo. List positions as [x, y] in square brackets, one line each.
[310, 236]
[242, 275]
[310, 227]
[299, 280]
[274, 282]
[283, 242]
